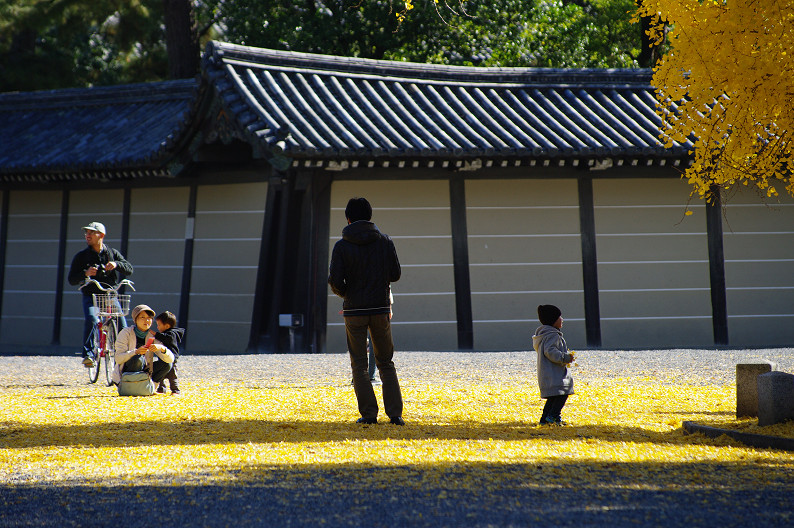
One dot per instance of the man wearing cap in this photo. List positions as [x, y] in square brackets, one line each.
[105, 265]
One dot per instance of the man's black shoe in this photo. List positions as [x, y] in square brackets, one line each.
[363, 420]
[397, 420]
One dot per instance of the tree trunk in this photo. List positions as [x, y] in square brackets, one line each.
[649, 55]
[181, 39]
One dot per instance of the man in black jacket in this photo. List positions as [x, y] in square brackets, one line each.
[363, 264]
[105, 265]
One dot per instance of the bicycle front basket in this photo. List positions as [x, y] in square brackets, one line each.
[111, 305]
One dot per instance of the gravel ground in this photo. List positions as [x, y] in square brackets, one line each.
[505, 500]
[696, 366]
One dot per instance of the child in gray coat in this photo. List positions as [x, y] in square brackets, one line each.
[554, 379]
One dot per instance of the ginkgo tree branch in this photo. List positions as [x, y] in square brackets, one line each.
[727, 81]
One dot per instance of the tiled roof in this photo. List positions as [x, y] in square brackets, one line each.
[102, 132]
[302, 106]
[332, 107]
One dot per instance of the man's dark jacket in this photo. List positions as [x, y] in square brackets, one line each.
[363, 264]
[88, 258]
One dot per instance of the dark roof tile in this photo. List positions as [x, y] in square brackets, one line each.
[97, 129]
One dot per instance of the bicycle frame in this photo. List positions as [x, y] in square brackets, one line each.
[103, 335]
[107, 330]
[109, 306]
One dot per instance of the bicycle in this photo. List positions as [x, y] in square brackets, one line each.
[109, 305]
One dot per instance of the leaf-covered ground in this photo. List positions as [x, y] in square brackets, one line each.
[243, 453]
[462, 438]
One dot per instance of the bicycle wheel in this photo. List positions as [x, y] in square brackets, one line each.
[110, 350]
[93, 372]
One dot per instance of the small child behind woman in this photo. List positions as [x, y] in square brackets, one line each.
[170, 336]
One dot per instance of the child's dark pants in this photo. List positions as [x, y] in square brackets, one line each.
[172, 377]
[172, 380]
[553, 409]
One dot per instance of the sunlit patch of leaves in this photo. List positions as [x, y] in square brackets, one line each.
[626, 428]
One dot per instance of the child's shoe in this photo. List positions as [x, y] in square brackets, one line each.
[161, 388]
[174, 386]
[550, 420]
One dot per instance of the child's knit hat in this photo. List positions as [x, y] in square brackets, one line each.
[548, 314]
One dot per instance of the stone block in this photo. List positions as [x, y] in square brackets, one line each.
[747, 386]
[775, 398]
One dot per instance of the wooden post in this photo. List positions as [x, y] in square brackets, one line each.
[592, 310]
[719, 310]
[460, 259]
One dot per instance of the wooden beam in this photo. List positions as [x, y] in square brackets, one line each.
[187, 261]
[719, 304]
[58, 308]
[3, 243]
[460, 259]
[587, 229]
[257, 341]
[321, 232]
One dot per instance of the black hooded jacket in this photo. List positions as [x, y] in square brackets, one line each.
[171, 339]
[363, 264]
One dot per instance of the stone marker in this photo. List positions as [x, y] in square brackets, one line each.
[775, 398]
[747, 386]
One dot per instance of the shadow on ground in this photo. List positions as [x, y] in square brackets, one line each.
[244, 431]
[452, 494]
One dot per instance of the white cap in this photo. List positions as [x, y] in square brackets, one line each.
[96, 226]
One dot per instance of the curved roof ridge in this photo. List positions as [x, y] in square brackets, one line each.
[222, 51]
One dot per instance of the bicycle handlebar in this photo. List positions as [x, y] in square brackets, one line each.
[104, 288]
